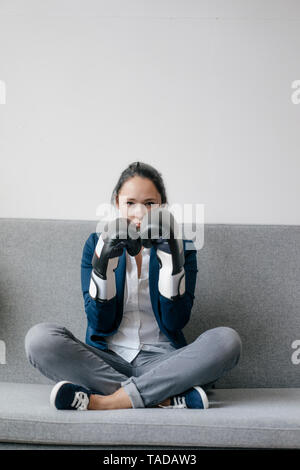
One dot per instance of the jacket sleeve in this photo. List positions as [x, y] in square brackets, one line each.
[176, 313]
[101, 315]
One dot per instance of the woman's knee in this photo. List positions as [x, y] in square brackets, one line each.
[42, 336]
[228, 341]
[232, 342]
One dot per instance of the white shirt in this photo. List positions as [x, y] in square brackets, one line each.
[138, 328]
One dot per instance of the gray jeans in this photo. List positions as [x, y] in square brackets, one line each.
[149, 379]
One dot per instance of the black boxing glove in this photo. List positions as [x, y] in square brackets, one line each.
[159, 229]
[118, 233]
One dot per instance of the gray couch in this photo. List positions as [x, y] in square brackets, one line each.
[249, 279]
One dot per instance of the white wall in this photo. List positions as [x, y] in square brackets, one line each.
[199, 89]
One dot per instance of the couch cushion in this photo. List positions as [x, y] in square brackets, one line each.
[248, 279]
[260, 418]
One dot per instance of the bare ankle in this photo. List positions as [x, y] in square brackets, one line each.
[121, 399]
[166, 402]
[117, 400]
[97, 402]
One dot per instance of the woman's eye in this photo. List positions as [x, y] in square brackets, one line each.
[150, 203]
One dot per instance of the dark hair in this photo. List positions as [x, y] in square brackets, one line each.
[145, 171]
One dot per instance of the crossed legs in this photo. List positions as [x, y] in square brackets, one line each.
[59, 355]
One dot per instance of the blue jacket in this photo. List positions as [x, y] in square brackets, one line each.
[103, 319]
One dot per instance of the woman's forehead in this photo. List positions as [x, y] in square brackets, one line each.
[140, 189]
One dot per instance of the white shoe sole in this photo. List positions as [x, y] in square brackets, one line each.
[54, 392]
[203, 396]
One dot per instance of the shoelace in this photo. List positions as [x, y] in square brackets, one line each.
[81, 401]
[179, 402]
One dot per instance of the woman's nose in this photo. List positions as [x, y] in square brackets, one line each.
[139, 211]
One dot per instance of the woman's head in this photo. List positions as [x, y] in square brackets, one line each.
[139, 188]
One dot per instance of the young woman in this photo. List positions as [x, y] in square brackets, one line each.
[135, 354]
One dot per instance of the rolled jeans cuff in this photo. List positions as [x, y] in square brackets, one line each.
[133, 393]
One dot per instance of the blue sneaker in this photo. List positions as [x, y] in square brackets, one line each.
[68, 396]
[194, 397]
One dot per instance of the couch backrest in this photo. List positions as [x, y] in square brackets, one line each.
[249, 279]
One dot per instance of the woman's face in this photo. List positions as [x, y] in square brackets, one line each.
[137, 196]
